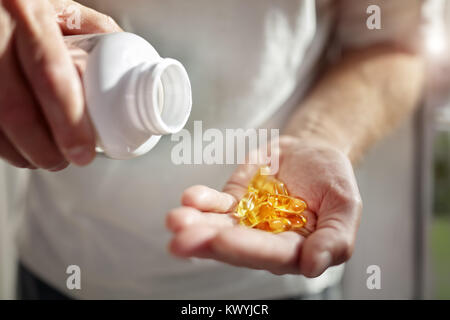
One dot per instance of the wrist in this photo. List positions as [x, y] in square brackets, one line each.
[325, 136]
[310, 144]
[312, 122]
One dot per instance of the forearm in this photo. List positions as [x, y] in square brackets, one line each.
[360, 99]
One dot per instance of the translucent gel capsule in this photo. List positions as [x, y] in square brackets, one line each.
[267, 206]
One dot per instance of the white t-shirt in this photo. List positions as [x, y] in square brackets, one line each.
[249, 63]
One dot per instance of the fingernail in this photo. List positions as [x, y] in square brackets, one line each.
[80, 155]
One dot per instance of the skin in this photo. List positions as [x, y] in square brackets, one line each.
[44, 124]
[43, 119]
[355, 103]
[205, 226]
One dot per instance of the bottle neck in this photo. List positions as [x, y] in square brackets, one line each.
[163, 98]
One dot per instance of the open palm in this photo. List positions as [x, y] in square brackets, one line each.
[205, 226]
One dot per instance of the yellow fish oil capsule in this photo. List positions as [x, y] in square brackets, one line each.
[268, 206]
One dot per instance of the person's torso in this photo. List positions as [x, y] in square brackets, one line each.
[249, 62]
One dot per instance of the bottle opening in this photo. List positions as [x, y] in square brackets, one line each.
[163, 97]
[171, 96]
[160, 97]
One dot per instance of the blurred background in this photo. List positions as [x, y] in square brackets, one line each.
[438, 100]
[405, 185]
[440, 227]
[404, 182]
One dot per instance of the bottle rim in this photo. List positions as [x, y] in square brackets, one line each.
[164, 96]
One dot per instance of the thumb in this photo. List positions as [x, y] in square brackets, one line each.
[209, 200]
[238, 183]
[332, 243]
[74, 18]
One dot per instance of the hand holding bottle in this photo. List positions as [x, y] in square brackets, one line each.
[43, 120]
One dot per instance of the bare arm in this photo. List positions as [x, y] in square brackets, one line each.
[357, 101]
[360, 99]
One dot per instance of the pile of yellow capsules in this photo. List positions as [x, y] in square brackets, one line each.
[268, 206]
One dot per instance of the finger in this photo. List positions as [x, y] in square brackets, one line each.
[7, 150]
[184, 217]
[192, 242]
[332, 242]
[20, 119]
[25, 128]
[237, 185]
[74, 18]
[210, 200]
[53, 77]
[207, 199]
[311, 221]
[240, 246]
[10, 154]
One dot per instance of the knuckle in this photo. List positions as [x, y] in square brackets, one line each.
[342, 193]
[340, 196]
[350, 200]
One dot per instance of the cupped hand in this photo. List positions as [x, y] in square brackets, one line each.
[43, 120]
[205, 226]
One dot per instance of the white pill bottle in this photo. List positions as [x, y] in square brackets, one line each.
[133, 95]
